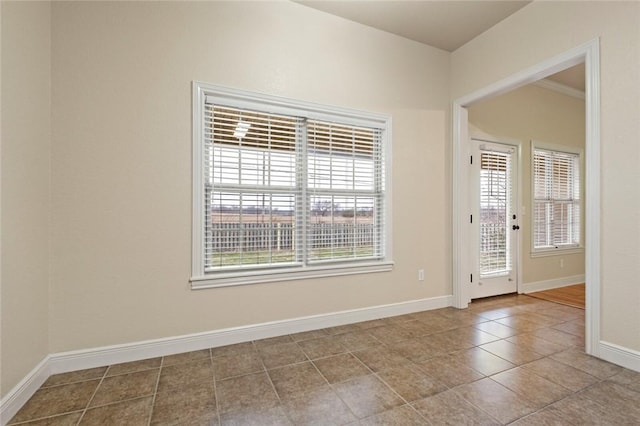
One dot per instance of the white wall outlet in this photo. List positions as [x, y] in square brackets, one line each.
[420, 274]
[561, 263]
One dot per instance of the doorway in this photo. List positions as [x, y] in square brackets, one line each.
[462, 231]
[494, 200]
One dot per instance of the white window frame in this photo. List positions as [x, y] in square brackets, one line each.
[564, 249]
[278, 105]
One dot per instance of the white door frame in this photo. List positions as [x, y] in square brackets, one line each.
[517, 144]
[589, 53]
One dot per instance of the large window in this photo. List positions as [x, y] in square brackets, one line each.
[556, 199]
[285, 189]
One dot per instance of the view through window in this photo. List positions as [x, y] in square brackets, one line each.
[556, 201]
[288, 190]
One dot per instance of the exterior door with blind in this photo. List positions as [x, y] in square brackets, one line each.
[494, 218]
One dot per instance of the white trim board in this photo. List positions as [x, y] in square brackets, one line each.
[107, 355]
[204, 94]
[20, 394]
[589, 53]
[551, 284]
[619, 355]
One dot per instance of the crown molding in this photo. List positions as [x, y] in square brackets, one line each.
[545, 83]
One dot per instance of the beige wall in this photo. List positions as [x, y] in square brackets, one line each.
[121, 159]
[538, 32]
[534, 113]
[26, 138]
[120, 163]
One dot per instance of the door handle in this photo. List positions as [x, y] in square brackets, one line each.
[515, 227]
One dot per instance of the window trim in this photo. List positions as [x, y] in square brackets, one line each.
[565, 249]
[278, 105]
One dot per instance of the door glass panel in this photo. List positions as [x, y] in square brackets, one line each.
[495, 202]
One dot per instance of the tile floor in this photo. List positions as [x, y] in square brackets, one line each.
[506, 360]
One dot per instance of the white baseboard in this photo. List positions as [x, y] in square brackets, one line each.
[107, 355]
[620, 355]
[20, 394]
[549, 284]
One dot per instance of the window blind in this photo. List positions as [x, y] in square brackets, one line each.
[251, 189]
[556, 199]
[285, 190]
[495, 202]
[344, 189]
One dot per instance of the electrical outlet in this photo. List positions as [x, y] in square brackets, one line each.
[561, 263]
[420, 274]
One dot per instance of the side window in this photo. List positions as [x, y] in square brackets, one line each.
[556, 199]
[283, 187]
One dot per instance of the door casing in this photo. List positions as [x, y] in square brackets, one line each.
[517, 145]
[589, 53]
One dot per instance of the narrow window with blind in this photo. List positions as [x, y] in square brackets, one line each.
[556, 200]
[495, 209]
[285, 189]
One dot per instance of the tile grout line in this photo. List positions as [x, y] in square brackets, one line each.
[155, 391]
[308, 360]
[599, 380]
[266, 372]
[286, 413]
[37, 419]
[215, 386]
[474, 405]
[55, 414]
[571, 394]
[93, 395]
[87, 408]
[350, 352]
[400, 396]
[331, 385]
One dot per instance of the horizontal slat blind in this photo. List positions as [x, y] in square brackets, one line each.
[494, 161]
[251, 192]
[282, 190]
[495, 199]
[556, 199]
[344, 187]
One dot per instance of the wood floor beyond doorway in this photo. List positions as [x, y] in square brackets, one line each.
[572, 295]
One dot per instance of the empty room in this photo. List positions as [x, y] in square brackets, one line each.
[310, 212]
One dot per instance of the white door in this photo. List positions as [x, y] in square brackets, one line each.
[494, 218]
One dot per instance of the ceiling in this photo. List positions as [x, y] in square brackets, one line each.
[445, 24]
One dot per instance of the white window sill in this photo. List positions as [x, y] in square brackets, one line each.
[226, 279]
[557, 252]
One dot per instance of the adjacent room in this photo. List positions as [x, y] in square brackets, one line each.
[308, 212]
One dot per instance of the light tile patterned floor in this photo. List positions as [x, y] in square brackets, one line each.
[511, 359]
